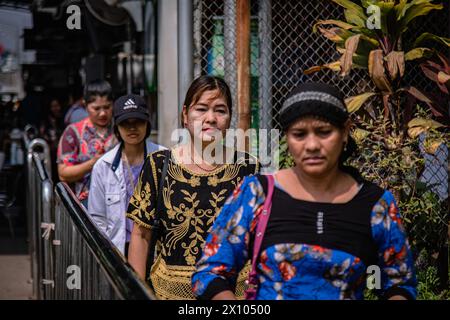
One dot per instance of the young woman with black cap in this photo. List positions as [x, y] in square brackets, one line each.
[115, 174]
[313, 231]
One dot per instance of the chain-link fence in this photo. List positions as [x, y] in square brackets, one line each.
[282, 47]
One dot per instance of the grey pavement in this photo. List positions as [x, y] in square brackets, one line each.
[15, 277]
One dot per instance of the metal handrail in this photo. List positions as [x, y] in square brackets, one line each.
[120, 274]
[45, 155]
[28, 135]
[63, 235]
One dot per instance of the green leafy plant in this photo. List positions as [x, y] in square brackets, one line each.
[428, 284]
[438, 71]
[381, 49]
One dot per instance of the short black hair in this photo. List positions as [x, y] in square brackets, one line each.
[97, 88]
[208, 83]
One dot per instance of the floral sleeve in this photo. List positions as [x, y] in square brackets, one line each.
[67, 152]
[226, 248]
[394, 252]
[142, 205]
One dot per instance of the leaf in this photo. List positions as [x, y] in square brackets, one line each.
[339, 23]
[415, 132]
[354, 18]
[387, 15]
[360, 61]
[351, 44]
[418, 53]
[400, 9]
[421, 97]
[418, 125]
[445, 62]
[429, 36]
[396, 64]
[365, 31]
[331, 34]
[359, 135]
[434, 74]
[426, 123]
[335, 66]
[354, 103]
[376, 71]
[443, 77]
[432, 145]
[354, 10]
[415, 9]
[417, 94]
[367, 3]
[430, 74]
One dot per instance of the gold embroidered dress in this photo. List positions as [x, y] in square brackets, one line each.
[189, 204]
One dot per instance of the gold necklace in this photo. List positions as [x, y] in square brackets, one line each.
[128, 169]
[207, 170]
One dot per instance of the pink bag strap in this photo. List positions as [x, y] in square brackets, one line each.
[262, 222]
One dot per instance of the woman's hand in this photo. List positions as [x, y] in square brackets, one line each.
[397, 297]
[224, 295]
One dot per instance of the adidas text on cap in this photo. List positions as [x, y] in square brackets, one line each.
[130, 106]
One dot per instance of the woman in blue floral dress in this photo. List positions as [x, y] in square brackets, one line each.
[328, 228]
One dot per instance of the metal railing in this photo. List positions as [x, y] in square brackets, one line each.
[70, 257]
[39, 189]
[84, 251]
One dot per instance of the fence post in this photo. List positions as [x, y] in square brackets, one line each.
[243, 62]
[265, 77]
[185, 49]
[32, 209]
[229, 54]
[49, 225]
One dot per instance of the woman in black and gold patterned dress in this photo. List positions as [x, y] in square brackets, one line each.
[194, 191]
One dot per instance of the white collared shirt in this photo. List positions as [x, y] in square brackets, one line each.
[107, 203]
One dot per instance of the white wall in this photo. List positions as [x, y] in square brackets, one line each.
[168, 114]
[12, 23]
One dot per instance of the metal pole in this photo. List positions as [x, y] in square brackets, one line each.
[265, 64]
[185, 49]
[129, 67]
[230, 53]
[167, 66]
[48, 218]
[197, 34]
[33, 210]
[265, 76]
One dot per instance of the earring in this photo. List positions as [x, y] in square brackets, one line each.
[345, 146]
